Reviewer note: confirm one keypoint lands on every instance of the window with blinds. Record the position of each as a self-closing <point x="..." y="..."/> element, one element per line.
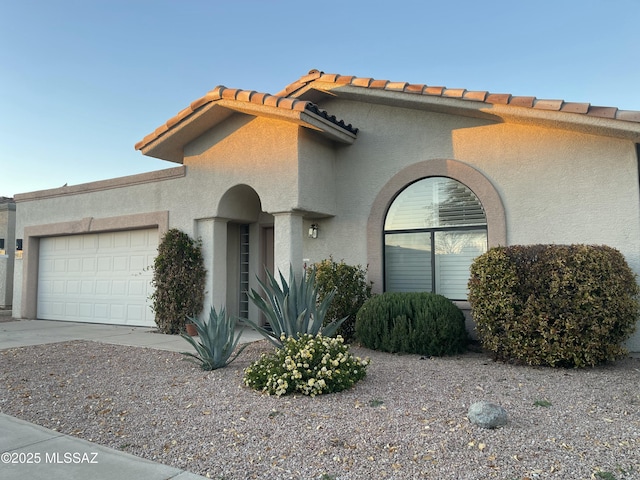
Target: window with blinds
<point x="433" y="231"/>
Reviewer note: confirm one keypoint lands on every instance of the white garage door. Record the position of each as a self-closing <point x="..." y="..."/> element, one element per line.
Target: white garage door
<point x="99" y="277"/>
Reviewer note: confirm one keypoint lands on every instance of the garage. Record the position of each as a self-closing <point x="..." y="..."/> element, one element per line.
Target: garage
<point x="97" y="277"/>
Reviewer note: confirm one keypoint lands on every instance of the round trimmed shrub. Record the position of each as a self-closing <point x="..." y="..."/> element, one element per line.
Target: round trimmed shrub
<point x="554" y="305"/>
<point x="311" y="365"/>
<point x="414" y="322"/>
<point x="178" y="280"/>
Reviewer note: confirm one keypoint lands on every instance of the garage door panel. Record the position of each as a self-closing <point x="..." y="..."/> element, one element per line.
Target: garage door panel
<point x="74" y="265"/>
<point x="105" y="264"/>
<point x="58" y="287"/>
<point x="117" y="311"/>
<point x="86" y="310"/>
<point x="87" y="287"/>
<point x="120" y="264"/>
<point x="102" y="278"/>
<point x="73" y="287"/>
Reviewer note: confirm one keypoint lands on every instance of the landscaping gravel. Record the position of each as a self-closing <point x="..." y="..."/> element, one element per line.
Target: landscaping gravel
<point x="406" y="420"/>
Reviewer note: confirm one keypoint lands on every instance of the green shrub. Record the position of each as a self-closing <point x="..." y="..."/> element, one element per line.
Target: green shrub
<point x="311" y="365"/>
<point x="351" y="291"/>
<point x="216" y="342"/>
<point x="291" y="308"/>
<point x="178" y="280"/>
<point x="418" y="322"/>
<point x="555" y="305"/>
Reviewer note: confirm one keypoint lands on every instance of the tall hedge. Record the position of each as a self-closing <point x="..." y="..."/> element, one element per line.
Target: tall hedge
<point x="178" y="280"/>
<point x="413" y="322"/>
<point x="555" y="305"/>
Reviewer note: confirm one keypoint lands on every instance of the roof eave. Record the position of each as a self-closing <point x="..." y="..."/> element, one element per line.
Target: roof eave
<point x="168" y="142"/>
<point x="536" y="115"/>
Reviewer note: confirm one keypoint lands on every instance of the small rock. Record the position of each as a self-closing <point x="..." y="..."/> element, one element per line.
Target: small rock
<point x="487" y="415"/>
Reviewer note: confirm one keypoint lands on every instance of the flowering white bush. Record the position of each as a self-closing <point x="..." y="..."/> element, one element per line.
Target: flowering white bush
<point x="311" y="365"/>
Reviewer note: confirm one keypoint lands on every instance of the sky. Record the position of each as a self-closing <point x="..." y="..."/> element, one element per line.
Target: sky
<point x="81" y="81"/>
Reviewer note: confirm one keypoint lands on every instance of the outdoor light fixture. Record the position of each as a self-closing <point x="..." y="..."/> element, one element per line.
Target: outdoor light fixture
<point x="313" y="230"/>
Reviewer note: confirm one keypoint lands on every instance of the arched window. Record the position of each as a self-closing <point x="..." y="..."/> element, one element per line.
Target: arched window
<point x="433" y="230"/>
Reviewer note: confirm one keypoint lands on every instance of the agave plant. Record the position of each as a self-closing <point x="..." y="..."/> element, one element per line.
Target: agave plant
<point x="292" y="308"/>
<point x="217" y="340"/>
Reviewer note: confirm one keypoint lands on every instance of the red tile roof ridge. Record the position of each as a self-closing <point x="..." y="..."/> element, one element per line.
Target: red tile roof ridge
<point x="463" y="94"/>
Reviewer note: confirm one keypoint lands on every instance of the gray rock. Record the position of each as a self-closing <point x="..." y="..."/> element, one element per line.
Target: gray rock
<point x="487" y="415"/>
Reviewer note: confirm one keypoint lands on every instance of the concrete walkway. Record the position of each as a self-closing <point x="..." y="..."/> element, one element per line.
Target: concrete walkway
<point x="33" y="452"/>
<point x="22" y="333"/>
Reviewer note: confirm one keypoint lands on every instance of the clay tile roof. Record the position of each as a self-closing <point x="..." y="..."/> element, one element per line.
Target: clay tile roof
<point x="575" y="107"/>
<point x="399" y="86"/>
<point x="413" y="88"/>
<point x="361" y="82"/>
<point x="287" y="101"/>
<point x="478" y="96"/>
<point x="434" y="90"/>
<point x="547" y="104"/>
<point x="453" y="92"/>
<point x="498" y="98"/>
<point x="522" y="101"/>
<point x="460" y="93"/>
<point x="628" y="115"/>
<point x="605" y="112"/>
<point x="249" y="97"/>
<point x="377" y="83"/>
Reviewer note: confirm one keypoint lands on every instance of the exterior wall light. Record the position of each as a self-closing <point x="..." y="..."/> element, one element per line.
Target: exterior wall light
<point x="313" y="230"/>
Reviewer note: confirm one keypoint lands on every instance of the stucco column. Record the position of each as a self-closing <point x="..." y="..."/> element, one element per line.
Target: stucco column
<point x="213" y="233"/>
<point x="219" y="264"/>
<point x="287" y="242"/>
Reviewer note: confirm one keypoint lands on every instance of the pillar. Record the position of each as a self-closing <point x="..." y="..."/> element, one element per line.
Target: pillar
<point x="288" y="229"/>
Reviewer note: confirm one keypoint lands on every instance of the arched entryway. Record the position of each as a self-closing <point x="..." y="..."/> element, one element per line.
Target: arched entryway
<point x="237" y="245"/>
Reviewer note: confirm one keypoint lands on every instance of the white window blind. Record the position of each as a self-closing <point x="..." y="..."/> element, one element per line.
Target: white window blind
<point x="434" y="211"/>
<point x="435" y="202"/>
<point x="408" y="262"/>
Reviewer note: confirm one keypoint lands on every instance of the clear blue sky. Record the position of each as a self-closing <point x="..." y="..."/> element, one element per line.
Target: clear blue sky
<point x="82" y="81"/>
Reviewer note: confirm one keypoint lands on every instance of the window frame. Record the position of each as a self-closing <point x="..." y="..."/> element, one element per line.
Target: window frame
<point x="429" y="230"/>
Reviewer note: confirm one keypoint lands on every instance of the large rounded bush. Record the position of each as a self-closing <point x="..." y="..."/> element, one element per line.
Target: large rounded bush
<point x="417" y="322"/>
<point x="555" y="305"/>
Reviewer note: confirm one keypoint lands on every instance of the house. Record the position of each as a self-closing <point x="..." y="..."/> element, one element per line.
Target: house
<point x="413" y="181"/>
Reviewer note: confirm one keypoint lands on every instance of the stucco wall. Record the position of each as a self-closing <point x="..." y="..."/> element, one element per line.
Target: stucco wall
<point x="258" y="152"/>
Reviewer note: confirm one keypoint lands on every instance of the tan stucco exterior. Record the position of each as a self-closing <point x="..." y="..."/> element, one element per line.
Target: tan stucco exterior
<point x="541" y="176"/>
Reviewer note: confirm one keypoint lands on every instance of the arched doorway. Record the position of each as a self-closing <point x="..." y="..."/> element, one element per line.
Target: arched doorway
<point x="235" y="246"/>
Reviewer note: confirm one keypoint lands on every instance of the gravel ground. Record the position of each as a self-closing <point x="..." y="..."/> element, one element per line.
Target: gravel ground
<point x="405" y="420"/>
